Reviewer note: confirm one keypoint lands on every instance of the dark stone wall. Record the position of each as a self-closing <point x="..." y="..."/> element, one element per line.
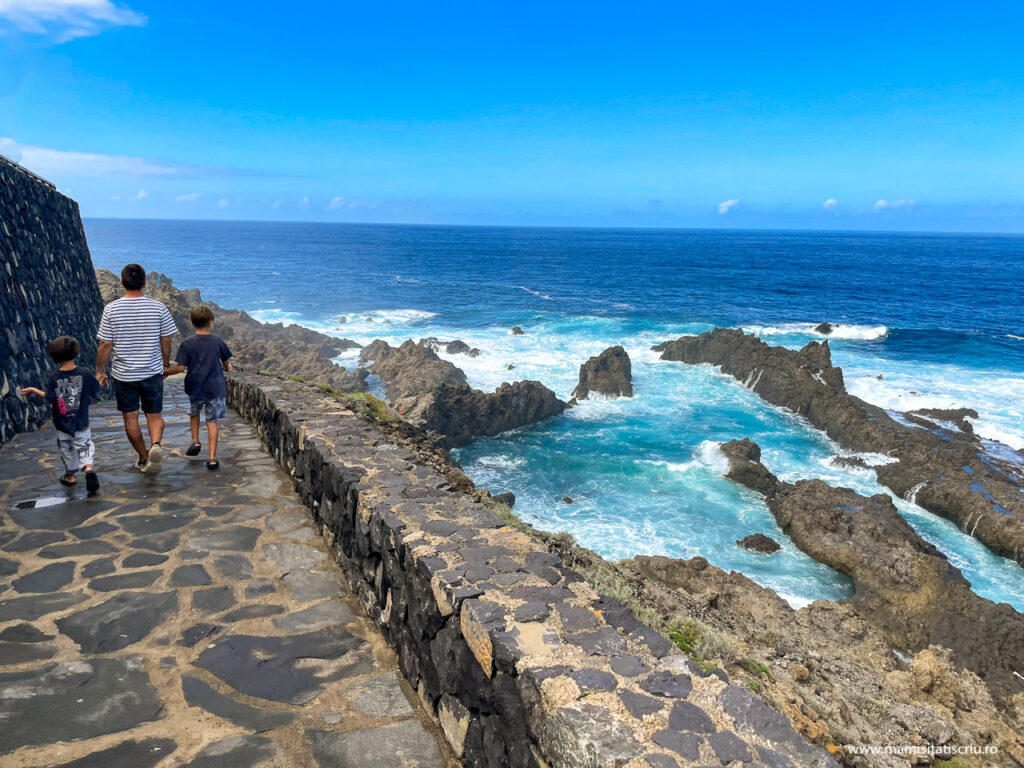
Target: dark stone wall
<point x="522" y="663"/>
<point x="47" y="289"/>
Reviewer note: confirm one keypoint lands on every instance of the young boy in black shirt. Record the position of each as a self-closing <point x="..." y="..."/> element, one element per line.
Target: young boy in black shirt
<point x="205" y="358"/>
<point x="69" y="391"/>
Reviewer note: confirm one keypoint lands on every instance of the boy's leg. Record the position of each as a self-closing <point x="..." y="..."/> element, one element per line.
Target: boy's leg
<point x="215" y="411"/>
<point x="85" y="448"/>
<point x="211" y="427"/>
<point x="86" y="453"/>
<point x="193" y="426"/>
<point x="68" y="455"/>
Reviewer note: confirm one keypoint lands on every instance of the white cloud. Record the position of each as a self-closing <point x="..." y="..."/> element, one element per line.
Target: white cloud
<point x="304" y="202"/>
<point x="67" y="19"/>
<point x="223" y="203"/>
<point x="43" y="160"/>
<point x="277" y="204"/>
<point x="191" y="197"/>
<point x="831" y="204"/>
<point x="140" y="195"/>
<point x="726" y="205"/>
<point x="336" y="204"/>
<point x="882" y="205"/>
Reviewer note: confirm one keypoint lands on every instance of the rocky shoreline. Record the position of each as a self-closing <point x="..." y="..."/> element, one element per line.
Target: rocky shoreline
<point x="914" y="657"/>
<point x="940" y="466"/>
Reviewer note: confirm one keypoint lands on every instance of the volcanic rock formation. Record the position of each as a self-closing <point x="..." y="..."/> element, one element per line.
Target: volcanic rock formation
<point x="608" y="374"/>
<point x="902" y="582"/>
<point x="433" y="394"/>
<point x="942" y="468"/>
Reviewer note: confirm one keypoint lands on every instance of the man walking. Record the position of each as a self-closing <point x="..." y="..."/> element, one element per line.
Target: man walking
<point x="135" y="335"/>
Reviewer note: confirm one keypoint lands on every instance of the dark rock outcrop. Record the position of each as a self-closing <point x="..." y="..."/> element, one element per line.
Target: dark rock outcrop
<point x="516" y="331"/>
<point x="823" y="328"/>
<point x="434" y="395"/>
<point x="608" y="374"/>
<point x="292" y="350"/>
<point x="456" y="347"/>
<point x="948" y="472"/>
<point x="758" y="542"/>
<point x="902" y="582"/>
<point x="46" y="290"/>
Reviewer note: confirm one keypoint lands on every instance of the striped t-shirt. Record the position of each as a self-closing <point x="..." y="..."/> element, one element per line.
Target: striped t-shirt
<point x="135" y="326"/>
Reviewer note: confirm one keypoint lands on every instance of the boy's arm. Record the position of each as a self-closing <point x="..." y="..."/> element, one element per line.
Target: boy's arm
<point x="170" y="370"/>
<point x="32" y="391"/>
<point x="225" y="357"/>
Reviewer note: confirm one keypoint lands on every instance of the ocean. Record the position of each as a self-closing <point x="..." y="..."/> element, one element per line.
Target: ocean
<point x="925" y="320"/>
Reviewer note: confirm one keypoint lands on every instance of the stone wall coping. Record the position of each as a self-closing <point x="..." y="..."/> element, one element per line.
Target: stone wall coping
<point x="522" y="662"/>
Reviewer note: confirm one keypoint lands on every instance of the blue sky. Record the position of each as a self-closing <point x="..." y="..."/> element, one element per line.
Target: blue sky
<point x="791" y="115"/>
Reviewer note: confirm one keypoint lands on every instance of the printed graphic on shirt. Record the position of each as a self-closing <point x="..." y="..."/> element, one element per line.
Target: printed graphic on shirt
<point x="69" y="395"/>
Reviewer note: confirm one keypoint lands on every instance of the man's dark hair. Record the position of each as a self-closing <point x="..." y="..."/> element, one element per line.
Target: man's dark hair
<point x="201" y="316"/>
<point x="133" y="277"/>
<point x="64" y="349"/>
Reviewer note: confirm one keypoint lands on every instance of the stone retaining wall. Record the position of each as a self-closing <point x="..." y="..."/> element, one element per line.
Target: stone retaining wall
<point x="47" y="289"/>
<point x="521" y="661"/>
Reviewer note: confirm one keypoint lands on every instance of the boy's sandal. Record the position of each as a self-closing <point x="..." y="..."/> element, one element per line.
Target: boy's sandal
<point x="194" y="449"/>
<point x="69" y="483"/>
<point x="212" y="464"/>
<point x="92" y="483"/>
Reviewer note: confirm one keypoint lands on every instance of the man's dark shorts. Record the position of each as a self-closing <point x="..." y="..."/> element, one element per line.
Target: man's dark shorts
<point x="150" y="392"/>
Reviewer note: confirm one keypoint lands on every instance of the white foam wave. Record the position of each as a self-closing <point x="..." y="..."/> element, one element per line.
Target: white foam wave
<point x="500" y="462"/>
<point x="844" y="331"/>
<point x="538" y="294"/>
<point x="1014" y="336"/>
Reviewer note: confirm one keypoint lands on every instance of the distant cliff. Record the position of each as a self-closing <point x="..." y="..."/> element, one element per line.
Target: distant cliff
<point x="47" y="289"/>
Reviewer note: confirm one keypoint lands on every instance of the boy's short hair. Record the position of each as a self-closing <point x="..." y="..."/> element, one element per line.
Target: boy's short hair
<point x="201" y="316"/>
<point x="133" y="277"/>
<point x="64" y="349"/>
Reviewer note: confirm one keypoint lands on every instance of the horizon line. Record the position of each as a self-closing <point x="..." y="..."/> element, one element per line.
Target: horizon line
<point x="608" y="227"/>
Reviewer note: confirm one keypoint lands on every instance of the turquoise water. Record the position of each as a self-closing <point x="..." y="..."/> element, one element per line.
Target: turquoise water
<point x="645" y="473"/>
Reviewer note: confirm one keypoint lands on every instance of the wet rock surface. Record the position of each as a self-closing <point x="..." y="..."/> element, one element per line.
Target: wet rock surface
<point x="131" y="658"/>
<point x="608" y="374"/>
<point x="941" y="465"/>
<point x="532" y="671"/>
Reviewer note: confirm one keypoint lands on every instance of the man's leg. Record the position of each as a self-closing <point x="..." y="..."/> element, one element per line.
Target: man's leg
<point x="155" y="427"/>
<point x="134" y="432"/>
<point x="152" y="395"/>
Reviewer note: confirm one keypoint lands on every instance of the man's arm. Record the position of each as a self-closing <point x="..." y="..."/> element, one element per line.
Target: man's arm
<point x="165" y="350"/>
<point x="102" y="356"/>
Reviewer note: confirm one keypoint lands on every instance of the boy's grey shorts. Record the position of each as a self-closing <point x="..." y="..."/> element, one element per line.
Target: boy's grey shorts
<point x="77" y="450"/>
<point x="215" y="409"/>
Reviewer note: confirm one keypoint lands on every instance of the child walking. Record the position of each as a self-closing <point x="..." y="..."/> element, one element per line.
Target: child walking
<point x="205" y="358"/>
<point x="69" y="391"/>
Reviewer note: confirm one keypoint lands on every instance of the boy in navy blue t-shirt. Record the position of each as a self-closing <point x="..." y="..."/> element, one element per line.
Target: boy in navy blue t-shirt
<point x="205" y="358"/>
<point x="69" y="391"/>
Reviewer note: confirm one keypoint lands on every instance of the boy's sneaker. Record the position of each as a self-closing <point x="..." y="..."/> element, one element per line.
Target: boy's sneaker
<point x="156" y="455"/>
<point x="92" y="482"/>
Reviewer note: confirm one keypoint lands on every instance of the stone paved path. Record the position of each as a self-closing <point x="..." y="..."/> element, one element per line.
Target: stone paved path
<point x="187" y="619"/>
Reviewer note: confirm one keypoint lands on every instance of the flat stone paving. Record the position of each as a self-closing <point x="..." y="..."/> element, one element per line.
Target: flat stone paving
<point x="190" y="618"/>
